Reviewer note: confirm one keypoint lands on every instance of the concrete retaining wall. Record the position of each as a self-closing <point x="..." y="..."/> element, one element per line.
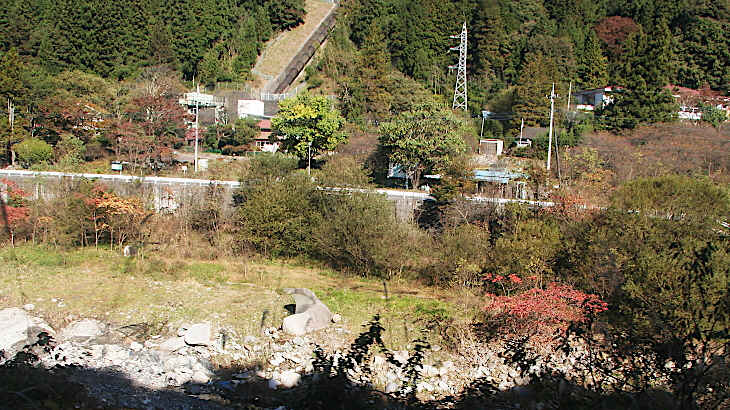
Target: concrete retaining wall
<point x="296" y="65"/>
<point x="169" y="194"/>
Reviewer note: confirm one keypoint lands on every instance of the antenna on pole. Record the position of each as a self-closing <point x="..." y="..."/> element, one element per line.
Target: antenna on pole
<point x="460" y="98"/>
<point x="550" y="133"/>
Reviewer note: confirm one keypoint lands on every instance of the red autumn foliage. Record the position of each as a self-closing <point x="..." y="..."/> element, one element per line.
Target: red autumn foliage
<point x="540" y="312"/>
<point x="74" y="116"/>
<point x="614" y="30"/>
<point x="14" y="204"/>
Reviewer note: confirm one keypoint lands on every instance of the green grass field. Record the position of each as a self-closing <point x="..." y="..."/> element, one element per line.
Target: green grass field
<point x="161" y="292"/>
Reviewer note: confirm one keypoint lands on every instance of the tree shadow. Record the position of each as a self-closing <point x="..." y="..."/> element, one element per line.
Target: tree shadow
<point x="331" y="385"/>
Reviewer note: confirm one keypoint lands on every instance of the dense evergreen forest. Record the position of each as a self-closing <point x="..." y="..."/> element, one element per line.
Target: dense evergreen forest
<point x="518" y="48"/>
<point x="210" y="39"/>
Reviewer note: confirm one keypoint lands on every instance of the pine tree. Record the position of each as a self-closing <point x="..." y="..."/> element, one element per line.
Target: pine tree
<point x="535" y="83"/>
<point x="489" y="40"/>
<point x="372" y="70"/>
<point x="593" y="66"/>
<point x="644" y="74"/>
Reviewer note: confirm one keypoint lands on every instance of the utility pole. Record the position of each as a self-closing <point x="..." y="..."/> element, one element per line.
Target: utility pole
<point x="522" y="127"/>
<point x="460" y="88"/>
<point x="567" y="114"/>
<point x="11" y="122"/>
<point x="197" y="109"/>
<point x="550" y="133"/>
<point x="570" y="90"/>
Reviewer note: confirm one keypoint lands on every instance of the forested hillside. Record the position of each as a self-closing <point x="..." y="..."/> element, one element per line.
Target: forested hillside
<point x="518" y="48"/>
<point x="209" y="39"/>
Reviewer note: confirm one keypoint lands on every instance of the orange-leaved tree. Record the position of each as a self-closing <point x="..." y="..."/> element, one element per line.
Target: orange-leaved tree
<point x="15" y="208"/>
<point x="121" y="217"/>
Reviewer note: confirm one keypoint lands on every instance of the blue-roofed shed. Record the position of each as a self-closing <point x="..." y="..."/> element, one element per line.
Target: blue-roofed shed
<point x="496" y="176"/>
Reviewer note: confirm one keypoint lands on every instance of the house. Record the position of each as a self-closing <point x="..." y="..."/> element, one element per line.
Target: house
<point x="590" y="100"/>
<point x="254" y="108"/>
<point x="263" y="140"/>
<point x="690" y="101"/>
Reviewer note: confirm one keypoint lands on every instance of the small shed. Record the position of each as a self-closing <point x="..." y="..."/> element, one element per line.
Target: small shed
<point x="500" y="182"/>
<point x="491" y="147"/>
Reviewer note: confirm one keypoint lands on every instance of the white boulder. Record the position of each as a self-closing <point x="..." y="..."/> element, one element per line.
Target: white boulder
<point x="198" y="335"/>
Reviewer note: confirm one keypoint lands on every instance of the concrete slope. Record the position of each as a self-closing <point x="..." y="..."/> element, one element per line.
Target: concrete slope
<point x="282" y="54"/>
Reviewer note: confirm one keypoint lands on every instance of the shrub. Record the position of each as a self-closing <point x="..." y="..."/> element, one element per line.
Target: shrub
<point x="460" y="256"/>
<point x="269" y="167"/>
<point x="713" y="115"/>
<point x="538" y="312"/>
<point x="70" y="151"/>
<point x="208" y="217"/>
<point x="277" y="218"/>
<point x="675" y="197"/>
<point x="33" y="151"/>
<point x="343" y="170"/>
<point x="358" y="232"/>
<point x="15" y="212"/>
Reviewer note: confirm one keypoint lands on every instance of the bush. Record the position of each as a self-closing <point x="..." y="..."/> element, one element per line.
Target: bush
<point x="33" y="151"/>
<point x="674" y="197"/>
<point x="342" y="170"/>
<point x="537" y="312"/>
<point x="277" y="218"/>
<point x="70" y="152"/>
<point x="358" y="232"/>
<point x="460" y="256"/>
<point x="267" y="167"/>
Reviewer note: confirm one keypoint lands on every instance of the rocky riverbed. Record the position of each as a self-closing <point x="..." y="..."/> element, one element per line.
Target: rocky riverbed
<point x="198" y="366"/>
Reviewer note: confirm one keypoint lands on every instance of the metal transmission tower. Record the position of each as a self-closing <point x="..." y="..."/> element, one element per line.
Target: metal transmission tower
<point x="460" y="88"/>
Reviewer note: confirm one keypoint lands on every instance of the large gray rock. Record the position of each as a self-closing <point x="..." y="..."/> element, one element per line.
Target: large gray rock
<point x="198" y="335"/>
<point x="18" y="329"/>
<point x="83" y="330"/>
<point x="296" y="324"/>
<point x="310" y="313"/>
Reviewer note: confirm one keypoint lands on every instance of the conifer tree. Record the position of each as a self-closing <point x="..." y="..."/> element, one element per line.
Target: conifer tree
<point x="646" y="71"/>
<point x="489" y="40"/>
<point x="535" y="83"/>
<point x="373" y="66"/>
<point x="593" y="66"/>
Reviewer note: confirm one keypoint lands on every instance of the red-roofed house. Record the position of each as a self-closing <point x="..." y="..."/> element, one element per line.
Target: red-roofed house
<point x="263" y="141"/>
<point x="690" y="101"/>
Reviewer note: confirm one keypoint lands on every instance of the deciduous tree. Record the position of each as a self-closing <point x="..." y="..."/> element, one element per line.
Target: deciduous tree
<point x="308" y="122"/>
<point x="423" y="139"/>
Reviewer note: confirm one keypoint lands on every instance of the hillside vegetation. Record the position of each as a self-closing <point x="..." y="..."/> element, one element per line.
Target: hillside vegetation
<point x="626" y="268"/>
